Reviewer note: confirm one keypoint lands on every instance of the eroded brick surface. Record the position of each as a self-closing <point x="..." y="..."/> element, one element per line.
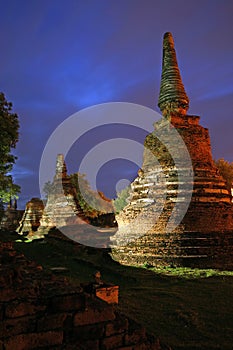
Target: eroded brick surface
<point x="178" y="169"/>
<point x="40" y="310"/>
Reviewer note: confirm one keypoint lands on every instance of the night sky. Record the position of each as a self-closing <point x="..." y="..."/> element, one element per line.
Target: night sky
<point x="58" y="57"/>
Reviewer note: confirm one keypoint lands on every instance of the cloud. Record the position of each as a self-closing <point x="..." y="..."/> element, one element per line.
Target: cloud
<point x="20" y="172"/>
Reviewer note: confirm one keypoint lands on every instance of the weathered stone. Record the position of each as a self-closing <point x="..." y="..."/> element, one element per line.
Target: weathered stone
<point x="165" y="187"/>
<point x="120" y="325"/>
<point x="41" y="312"/>
<point x="22" y="308"/>
<point x="86" y="345"/>
<point x="62" y="207"/>
<point x="6" y="277"/>
<point x="172" y="98"/>
<point x="108" y="293"/>
<point x="68" y="302"/>
<point x="136" y="336"/>
<point x="11" y="327"/>
<point x="113" y="342"/>
<point x="95" y="312"/>
<point x="34" y="340"/>
<point x="88" y="332"/>
<point x="11" y="217"/>
<point x="31" y="217"/>
<point x="51" y="321"/>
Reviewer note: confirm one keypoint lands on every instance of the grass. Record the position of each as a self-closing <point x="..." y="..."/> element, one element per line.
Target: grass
<point x="188" y="309"/>
<point x="190" y="273"/>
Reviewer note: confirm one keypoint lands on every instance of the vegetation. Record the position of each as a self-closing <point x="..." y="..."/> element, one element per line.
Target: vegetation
<point x="48" y="188"/>
<point x="93" y="203"/>
<point x="226" y="170"/>
<point x="8" y="138"/>
<point x="122" y="199"/>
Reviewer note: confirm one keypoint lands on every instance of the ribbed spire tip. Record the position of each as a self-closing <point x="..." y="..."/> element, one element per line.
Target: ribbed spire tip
<point x="172" y="98"/>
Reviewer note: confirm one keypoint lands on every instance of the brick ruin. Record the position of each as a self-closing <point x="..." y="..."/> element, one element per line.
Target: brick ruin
<point x="41" y="310"/>
<point x="63" y="210"/>
<point x="62" y="207"/>
<point x="204" y="238"/>
<point x="31" y="217"/>
<point x="9" y="219"/>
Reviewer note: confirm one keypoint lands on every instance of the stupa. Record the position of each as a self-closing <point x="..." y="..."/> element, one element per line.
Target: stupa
<point x="31" y="217"/>
<point x="178" y="183"/>
<point x="62" y="207"/>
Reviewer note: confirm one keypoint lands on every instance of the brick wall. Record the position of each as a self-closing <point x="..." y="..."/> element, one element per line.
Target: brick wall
<point x="41" y="311"/>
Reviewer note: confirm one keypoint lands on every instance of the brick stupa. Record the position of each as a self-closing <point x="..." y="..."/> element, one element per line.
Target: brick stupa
<point x="31" y="217"/>
<point x="62" y="207"/>
<point x="168" y="185"/>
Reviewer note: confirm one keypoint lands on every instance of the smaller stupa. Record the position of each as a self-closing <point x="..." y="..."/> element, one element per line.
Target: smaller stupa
<point x="31" y="217"/>
<point x="62" y="207"/>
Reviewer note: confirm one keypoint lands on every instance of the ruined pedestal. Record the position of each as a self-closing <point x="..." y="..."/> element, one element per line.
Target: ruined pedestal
<point x="31" y="217"/>
<point x="11" y="217"/>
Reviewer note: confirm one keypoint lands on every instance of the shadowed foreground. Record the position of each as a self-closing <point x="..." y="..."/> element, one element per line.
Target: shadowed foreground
<point x="187" y="309"/>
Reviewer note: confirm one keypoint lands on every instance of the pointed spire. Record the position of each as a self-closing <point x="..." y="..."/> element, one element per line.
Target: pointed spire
<point x="172" y="98"/>
<point x="61" y="171"/>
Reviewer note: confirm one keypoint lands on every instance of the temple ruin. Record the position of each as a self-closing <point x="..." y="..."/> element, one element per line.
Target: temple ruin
<point x="62" y="207"/>
<point x="31" y="217"/>
<point x="10" y="218"/>
<point x="41" y="310"/>
<point x="64" y="211"/>
<point x="204" y="237"/>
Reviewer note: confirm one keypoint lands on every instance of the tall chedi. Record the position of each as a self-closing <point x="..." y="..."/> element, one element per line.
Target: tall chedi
<point x="179" y="211"/>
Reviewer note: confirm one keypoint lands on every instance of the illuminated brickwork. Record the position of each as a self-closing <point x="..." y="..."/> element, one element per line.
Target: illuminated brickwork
<point x="204" y="238"/>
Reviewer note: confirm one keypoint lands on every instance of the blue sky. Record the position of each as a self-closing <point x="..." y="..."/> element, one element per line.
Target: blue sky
<point x="58" y="57"/>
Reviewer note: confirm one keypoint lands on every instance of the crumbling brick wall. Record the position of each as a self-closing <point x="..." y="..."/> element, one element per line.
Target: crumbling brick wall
<point x="41" y="311"/>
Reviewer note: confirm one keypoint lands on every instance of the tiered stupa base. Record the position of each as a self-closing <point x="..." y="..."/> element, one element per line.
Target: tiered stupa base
<point x="204" y="238"/>
<point x="196" y="249"/>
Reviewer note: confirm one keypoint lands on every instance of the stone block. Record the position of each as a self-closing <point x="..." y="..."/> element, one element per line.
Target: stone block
<point x="7" y="294"/>
<point x="6" y="276"/>
<point x="14" y="326"/>
<point x="136" y="334"/>
<point x="118" y="326"/>
<point x="88" y="345"/>
<point x="1" y="312"/>
<point x="108" y="294"/>
<point x="51" y="322"/>
<point x="18" y="309"/>
<point x="70" y="302"/>
<point x="94" y="315"/>
<point x="34" y="340"/>
<point x="113" y="342"/>
<point x="87" y="332"/>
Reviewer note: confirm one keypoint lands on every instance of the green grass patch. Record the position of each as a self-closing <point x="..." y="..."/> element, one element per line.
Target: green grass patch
<point x="189" y="273"/>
